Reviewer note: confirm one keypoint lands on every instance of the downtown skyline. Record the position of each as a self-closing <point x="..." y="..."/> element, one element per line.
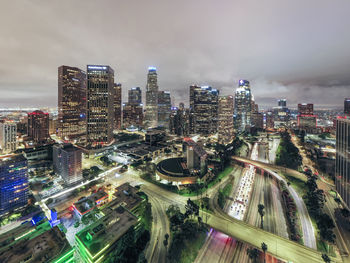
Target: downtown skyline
<point x="284" y="55"/>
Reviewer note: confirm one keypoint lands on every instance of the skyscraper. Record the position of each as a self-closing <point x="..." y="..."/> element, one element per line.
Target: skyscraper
<point x="135" y="95"/>
<point x="305" y="109"/>
<point x="100" y="105"/>
<point x="179" y="120"/>
<point x="67" y="162"/>
<point x="8" y="133"/>
<point x="164" y="108"/>
<point x="133" y="109"/>
<point x="347" y="106"/>
<point x="38" y="126"/>
<point x="13" y="182"/>
<point x="204" y="109"/>
<point x="342" y="167"/>
<point x="151" y="115"/>
<point x="117" y="106"/>
<point x="243" y="98"/>
<point x="71" y="103"/>
<point x="282" y="103"/>
<point x="225" y="116"/>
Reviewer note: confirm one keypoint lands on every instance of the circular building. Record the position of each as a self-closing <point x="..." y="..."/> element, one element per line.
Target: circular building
<point x="175" y="171"/>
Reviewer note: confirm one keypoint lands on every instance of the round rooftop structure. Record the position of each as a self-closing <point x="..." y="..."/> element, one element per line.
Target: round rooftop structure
<point x="175" y="170"/>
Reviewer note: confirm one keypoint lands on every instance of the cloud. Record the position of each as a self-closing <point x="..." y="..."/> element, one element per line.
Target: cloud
<point x="296" y="49"/>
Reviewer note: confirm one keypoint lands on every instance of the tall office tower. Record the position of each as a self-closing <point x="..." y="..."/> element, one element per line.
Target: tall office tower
<point x="13" y="182"/>
<point x="282" y="103"/>
<point x="8" y="132"/>
<point x="305" y="109"/>
<point x="254" y="106"/>
<point x="347" y="106"/>
<point x="100" y="105"/>
<point x="135" y="96"/>
<point x="71" y="103"/>
<point x="179" y="120"/>
<point x="117" y="106"/>
<point x="38" y="126"/>
<point x="243" y="105"/>
<point x="133" y="109"/>
<point x="164" y="108"/>
<point x="225" y="116"/>
<point x="151" y="115"/>
<point x="269" y="120"/>
<point x="132" y="115"/>
<point x="67" y="162"/>
<point x="306" y="118"/>
<point x="342" y="167"/>
<point x="281" y="114"/>
<point x="204" y="103"/>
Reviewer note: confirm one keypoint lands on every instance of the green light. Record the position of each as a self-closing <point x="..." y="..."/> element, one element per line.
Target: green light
<point x="65" y="256"/>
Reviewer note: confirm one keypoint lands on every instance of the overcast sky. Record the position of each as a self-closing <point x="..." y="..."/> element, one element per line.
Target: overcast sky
<point x="295" y="49"/>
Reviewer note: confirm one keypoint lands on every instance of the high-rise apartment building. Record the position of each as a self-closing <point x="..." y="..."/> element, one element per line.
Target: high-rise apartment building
<point x="164" y="108"/>
<point x="243" y="98"/>
<point x="100" y="105"/>
<point x="117" y="106"/>
<point x="204" y="103"/>
<point x="67" y="162"/>
<point x="342" y="167"/>
<point x="13" y="182"/>
<point x="347" y="106"/>
<point x="8" y="134"/>
<point x="71" y="104"/>
<point x="38" y="126"/>
<point x="225" y="117"/>
<point x="151" y="114"/>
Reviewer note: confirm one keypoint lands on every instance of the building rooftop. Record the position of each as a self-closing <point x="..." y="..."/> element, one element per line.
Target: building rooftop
<point x="86" y="204"/>
<point x="35" y="243"/>
<point x="11" y="158"/>
<point x="97" y="237"/>
<point x="125" y="195"/>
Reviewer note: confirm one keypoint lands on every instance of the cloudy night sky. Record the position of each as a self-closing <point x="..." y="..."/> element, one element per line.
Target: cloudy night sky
<point x="294" y="49"/>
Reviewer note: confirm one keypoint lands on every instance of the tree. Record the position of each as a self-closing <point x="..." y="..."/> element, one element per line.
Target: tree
<point x="264" y="249"/>
<point x="261" y="213"/>
<point x="325" y="258"/>
<point x="253" y="254"/>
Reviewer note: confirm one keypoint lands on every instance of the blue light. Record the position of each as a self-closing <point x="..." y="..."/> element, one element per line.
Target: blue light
<point x="152" y="69"/>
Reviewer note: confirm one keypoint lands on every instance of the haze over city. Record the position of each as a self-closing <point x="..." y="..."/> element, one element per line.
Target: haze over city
<point x="293" y="48"/>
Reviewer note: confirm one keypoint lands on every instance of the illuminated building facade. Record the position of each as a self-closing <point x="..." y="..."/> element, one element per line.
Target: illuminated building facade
<point x="13" y="182"/>
<point x="243" y="105"/>
<point x="38" y="126"/>
<point x="342" y="167"/>
<point x="67" y="162"/>
<point x="132" y="115"/>
<point x="117" y="106"/>
<point x="71" y="104"/>
<point x="179" y="121"/>
<point x="133" y="109"/>
<point x="306" y="118"/>
<point x="164" y="108"/>
<point x="151" y="114"/>
<point x="196" y="156"/>
<point x="100" y="105"/>
<point x="8" y="133"/>
<point x="204" y="104"/>
<point x="281" y="114"/>
<point x="135" y="95"/>
<point x="225" y="123"/>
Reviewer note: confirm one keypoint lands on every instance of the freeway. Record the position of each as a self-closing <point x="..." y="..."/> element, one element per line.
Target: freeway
<point x="307" y="228"/>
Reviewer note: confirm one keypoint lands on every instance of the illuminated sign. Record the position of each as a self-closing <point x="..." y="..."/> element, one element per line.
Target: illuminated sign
<point x="97" y="67"/>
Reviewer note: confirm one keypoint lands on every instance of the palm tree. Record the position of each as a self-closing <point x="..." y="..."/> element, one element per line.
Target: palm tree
<point x="325" y="258"/>
<point x="264" y="249"/>
<point x="261" y="213"/>
<point x="252" y="253"/>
